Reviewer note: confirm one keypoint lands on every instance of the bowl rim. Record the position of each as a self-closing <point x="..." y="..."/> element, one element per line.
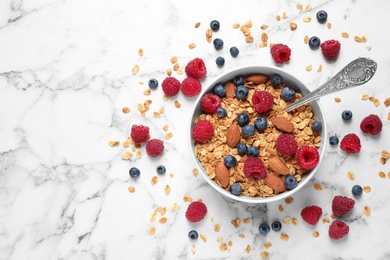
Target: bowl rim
<point x="246" y="70"/>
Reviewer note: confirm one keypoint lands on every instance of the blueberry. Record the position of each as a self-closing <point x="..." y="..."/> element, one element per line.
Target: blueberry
<point x="276" y="226"/>
<point x="264" y="229"/>
<point x="242" y="119"/>
<point x="316" y="126"/>
<point x="238" y="80"/>
<point x="218" y="44"/>
<point x="346" y="115"/>
<point x="252" y="151"/>
<point x="322" y="16"/>
<point x="230" y="161"/>
<point x="220" y="61"/>
<point x="333" y="140"/>
<point x="235" y="189"/>
<point x="248" y="130"/>
<point x="161" y="169"/>
<point x="219" y="90"/>
<point x="241" y="149"/>
<point x="242" y="92"/>
<point x="276" y="80"/>
<point x="314" y="42"/>
<point x="260" y="124"/>
<point x="134" y="172"/>
<point x="193" y="234"/>
<point x="290" y="182"/>
<point x="288" y="93"/>
<point x="153" y="83"/>
<point x="234" y="51"/>
<point x="221" y="112"/>
<point x="357" y="190"/>
<point x="214" y="25"/>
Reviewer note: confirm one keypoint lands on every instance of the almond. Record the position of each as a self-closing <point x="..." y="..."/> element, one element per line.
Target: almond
<point x="222" y="174"/>
<point x="278" y="165"/>
<point x="283" y="124"/>
<point x="230" y="89"/>
<point x="233" y="136"/>
<point x="274" y="182"/>
<point x="257" y="79"/>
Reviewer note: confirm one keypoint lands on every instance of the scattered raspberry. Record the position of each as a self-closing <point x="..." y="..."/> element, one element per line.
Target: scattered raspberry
<point x="139" y="133"/>
<point x="170" y="86"/>
<point x="254" y="168"/>
<point x="286" y="144"/>
<point x="338" y="229"/>
<point x="350" y="143"/>
<point x="154" y="148"/>
<point x="262" y="101"/>
<point x="311" y="214"/>
<point x="210" y="103"/>
<point x="342" y="205"/>
<point x="308" y="157"/>
<point x="371" y="124"/>
<point x="196" y="68"/>
<point x="330" y="49"/>
<point x="280" y="53"/>
<point x="196" y="211"/>
<point x="202" y="131"/>
<point x="191" y="87"/>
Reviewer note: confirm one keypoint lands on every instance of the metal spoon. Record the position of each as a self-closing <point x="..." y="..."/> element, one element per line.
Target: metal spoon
<point x="356" y="73"/>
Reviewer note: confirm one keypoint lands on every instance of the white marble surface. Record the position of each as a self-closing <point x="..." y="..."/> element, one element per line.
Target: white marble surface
<point x="65" y="75"/>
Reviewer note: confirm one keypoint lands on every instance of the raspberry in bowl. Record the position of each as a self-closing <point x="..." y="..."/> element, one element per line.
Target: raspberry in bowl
<point x="254" y="151"/>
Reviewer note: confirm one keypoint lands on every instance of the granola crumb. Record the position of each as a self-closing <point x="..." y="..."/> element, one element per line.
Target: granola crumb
<point x="131" y="189"/>
<point x="316" y="234"/>
<point x="140" y="52"/>
<point x="125" y="110"/>
<point x="197" y="24"/>
<point x="367" y="211"/>
<point x="337" y="100"/>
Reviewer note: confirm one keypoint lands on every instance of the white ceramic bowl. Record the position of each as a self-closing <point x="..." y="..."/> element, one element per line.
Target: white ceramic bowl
<point x="289" y="80"/>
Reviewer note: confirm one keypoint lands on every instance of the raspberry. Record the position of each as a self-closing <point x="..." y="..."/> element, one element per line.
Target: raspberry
<point x="371" y="124"/>
<point x="280" y="53"/>
<point x="196" y="68"/>
<point x="254" y="168"/>
<point x="202" y="131"/>
<point x="342" y="205"/>
<point x="308" y="157"/>
<point x="210" y="103"/>
<point x="330" y="49"/>
<point x="170" y="86"/>
<point x="191" y="87"/>
<point x="139" y="133"/>
<point x="196" y="211"/>
<point x="338" y="230"/>
<point x="311" y="214"/>
<point x="262" y="101"/>
<point x="350" y="143"/>
<point x="286" y="144"/>
<point x="154" y="148"/>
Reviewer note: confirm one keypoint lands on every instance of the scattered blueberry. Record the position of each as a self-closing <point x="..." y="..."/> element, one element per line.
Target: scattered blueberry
<point x="276" y="225"/>
<point x="276" y="80"/>
<point x="161" y="169"/>
<point x="290" y="182"/>
<point x="230" y="161"/>
<point x="333" y="140"/>
<point x="214" y="25"/>
<point x="314" y="42"/>
<point x="134" y="172"/>
<point x="260" y="124"/>
<point x="235" y="189"/>
<point x="322" y="16"/>
<point x="242" y="119"/>
<point x="288" y="93"/>
<point x="252" y="151"/>
<point x="222" y="112"/>
<point x="241" y="149"/>
<point x="220" y="61"/>
<point x="234" y="51"/>
<point x="193" y="234"/>
<point x="218" y="44"/>
<point x="153" y="83"/>
<point x="248" y="130"/>
<point x="357" y="190"/>
<point x="264" y="229"/>
<point x="219" y="90"/>
<point x="316" y="126"/>
<point x="242" y="92"/>
<point x="238" y="80"/>
<point x="346" y="115"/>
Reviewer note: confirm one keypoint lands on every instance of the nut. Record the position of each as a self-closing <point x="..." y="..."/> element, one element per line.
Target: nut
<point x="274" y="182"/>
<point x="222" y="174"/>
<point x="257" y="79"/>
<point x="233" y="136"/>
<point x="230" y="89"/>
<point x="278" y="165"/>
<point x="283" y="124"/>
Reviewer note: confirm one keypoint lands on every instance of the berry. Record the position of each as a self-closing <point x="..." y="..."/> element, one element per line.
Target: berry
<point x="290" y="182"/>
<point x="260" y="124"/>
<point x="314" y="42"/>
<point x="214" y="25"/>
<point x="234" y="51"/>
<point x="342" y="205"/>
<point x="241" y="149"/>
<point x="276" y="226"/>
<point x="311" y="214"/>
<point x="196" y="211"/>
<point x="357" y="190"/>
<point x="346" y="115"/>
<point x="193" y="234"/>
<point x="322" y="16"/>
<point x="262" y="101"/>
<point x="139" y="133"/>
<point x="218" y="44"/>
<point x="371" y="124"/>
<point x="242" y="92"/>
<point x="242" y="119"/>
<point x="222" y="112"/>
<point x="276" y="80"/>
<point x="248" y="130"/>
<point x="220" y="61"/>
<point x="338" y="229"/>
<point x="235" y="189"/>
<point x="264" y="229"/>
<point x="330" y="49"/>
<point x="196" y="68"/>
<point x="153" y="83"/>
<point x="350" y="143"/>
<point x="254" y="168"/>
<point x="191" y="87"/>
<point x="316" y="126"/>
<point x="154" y="148"/>
<point x="280" y="53"/>
<point x="161" y="169"/>
<point x="252" y="151"/>
<point x="230" y="161"/>
<point x="202" y="131"/>
<point x="286" y="144"/>
<point x="210" y="103"/>
<point x="333" y="140"/>
<point x="134" y="172"/>
<point x="238" y="80"/>
<point x="308" y="157"/>
<point x="288" y="94"/>
<point x="170" y="86"/>
<point x="219" y="90"/>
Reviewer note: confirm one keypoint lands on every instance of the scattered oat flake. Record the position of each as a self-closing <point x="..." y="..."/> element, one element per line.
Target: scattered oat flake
<point x="125" y="110"/>
<point x="309" y="67"/>
<point x="247" y="220"/>
<point x="333" y="216"/>
<point x="236" y="222"/>
<point x="135" y="69"/>
<point x="307" y="19"/>
<point x="152" y="231"/>
<point x="351" y="176"/>
<point x="165" y="97"/>
<point x="177" y="104"/>
<point x="139" y="154"/>
<point x="241" y="235"/>
<point x="154" y="180"/>
<point x="193" y="249"/>
<point x="289" y="200"/>
<point x="127" y="155"/>
<point x="287" y="220"/>
<point x="366" y="189"/>
<point x="316" y="234"/>
<point x="280" y="207"/>
<point x="387" y="102"/>
<point x="345" y="35"/>
<point x="329" y="25"/>
<point x="264" y="27"/>
<point x="293" y="26"/>
<point x="169" y="72"/>
<point x="264" y="37"/>
<point x="195" y="172"/>
<point x="319" y="68"/>
<point x="156" y="114"/>
<point x="217" y="228"/>
<point x="140" y="52"/>
<point x="277" y="18"/>
<point x="317" y="186"/>
<point x="360" y="39"/>
<point x="187" y="198"/>
<point x="376" y="102"/>
<point x="236" y="25"/>
<point x="192" y="45"/>
<point x="167" y="189"/>
<point x="223" y="247"/>
<point x="382" y="160"/>
<point x="248" y="249"/>
<point x="382" y="174"/>
<point x="147" y="92"/>
<point x="131" y="189"/>
<point x="388" y="175"/>
<point x="388" y="116"/>
<point x="294" y="221"/>
<point x="230" y="243"/>
<point x="284" y="15"/>
<point x="263" y="44"/>
<point x="306" y="39"/>
<point x="284" y="236"/>
<point x="308" y="7"/>
<point x="264" y="254"/>
<point x="367" y="211"/>
<point x="162" y="220"/>
<point x="174" y="59"/>
<point x="197" y="24"/>
<point x="368" y="47"/>
<point x="113" y="143"/>
<point x="337" y="100"/>
<point x="168" y="135"/>
<point x="299" y="6"/>
<point x="365" y="97"/>
<point x="267" y="244"/>
<point x="175" y="206"/>
<point x="325" y="220"/>
<point x="171" y="175"/>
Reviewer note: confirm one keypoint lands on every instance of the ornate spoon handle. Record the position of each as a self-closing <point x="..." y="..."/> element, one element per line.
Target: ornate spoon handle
<point x="356" y="73"/>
